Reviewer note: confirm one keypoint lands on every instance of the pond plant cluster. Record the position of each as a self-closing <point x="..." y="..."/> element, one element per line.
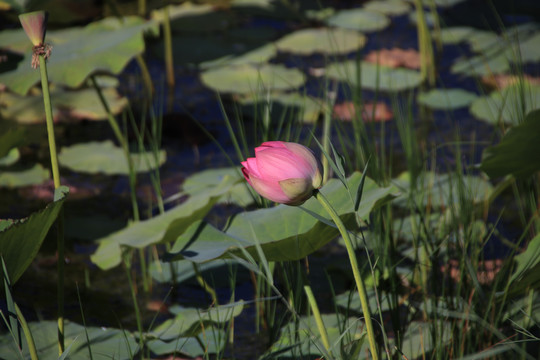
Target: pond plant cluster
<point x="270" y="179"/>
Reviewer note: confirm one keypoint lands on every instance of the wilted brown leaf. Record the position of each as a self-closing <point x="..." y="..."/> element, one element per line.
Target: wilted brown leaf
<point x="395" y="58"/>
<point x="378" y="112"/>
<point x="500" y="81"/>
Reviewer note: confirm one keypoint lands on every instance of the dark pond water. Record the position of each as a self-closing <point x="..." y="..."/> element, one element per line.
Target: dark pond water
<point x="106" y="298"/>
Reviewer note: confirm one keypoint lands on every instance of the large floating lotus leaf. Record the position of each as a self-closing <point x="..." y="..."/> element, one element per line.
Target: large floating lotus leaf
<point x="284" y="106"/>
<point x="388" y="7"/>
<point x="104" y="46"/>
<point x="526" y="274"/>
<point x="359" y="19"/>
<point x="418" y="341"/>
<point x="375" y="76"/>
<point x="482" y="40"/>
<point x="15" y="40"/>
<point x="517" y="153"/>
<point x="284" y="232"/>
<point x="446" y="99"/>
<point x="455" y="35"/>
<point x="443" y="190"/>
<point x="481" y="65"/>
<point x="106" y="158"/>
<point x="302" y="339"/>
<point x="192" y="321"/>
<point x="106" y="343"/>
<point x="211" y="341"/>
<point x="257" y="56"/>
<point x="34" y="176"/>
<point x="249" y="78"/>
<point x="165" y="227"/>
<point x="322" y="40"/>
<point x="21" y="239"/>
<point x="528" y="50"/>
<point x="205" y="180"/>
<point x="67" y="105"/>
<point x="508" y="105"/>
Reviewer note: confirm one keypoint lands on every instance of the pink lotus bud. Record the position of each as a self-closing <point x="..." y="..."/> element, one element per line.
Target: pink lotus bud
<point x="283" y="172"/>
<point x="34" y="25"/>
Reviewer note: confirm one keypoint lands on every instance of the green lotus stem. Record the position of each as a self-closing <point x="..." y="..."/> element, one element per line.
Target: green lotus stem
<point x="27" y="334"/>
<point x="317" y="316"/>
<point x="356" y="272"/>
<point x="60" y="220"/>
<point x="49" y="119"/>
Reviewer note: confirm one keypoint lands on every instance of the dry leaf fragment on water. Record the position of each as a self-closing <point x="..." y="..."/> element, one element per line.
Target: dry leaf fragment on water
<point x="500" y="81"/>
<point x="395" y="58"/>
<point x="378" y="112"/>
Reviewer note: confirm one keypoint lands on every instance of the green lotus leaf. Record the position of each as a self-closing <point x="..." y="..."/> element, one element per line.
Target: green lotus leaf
<point x="283" y="232"/>
<point x="279" y="106"/>
<point x="375" y="76"/>
<point x="203" y="181"/>
<point x="443" y="190"/>
<point x="527" y="270"/>
<point x="211" y="341"/>
<point x="508" y="105"/>
<point x="248" y="78"/>
<point x="36" y="175"/>
<point x="388" y="7"/>
<point x="446" y="99"/>
<point x="301" y="339"/>
<point x="67" y="105"/>
<point x="21" y="239"/>
<point x="103" y="46"/>
<point x="322" y="40"/>
<point x="418" y="340"/>
<point x="106" y="158"/>
<point x="481" y="65"/>
<point x="165" y="227"/>
<point x="483" y="40"/>
<point x="517" y="153"/>
<point x="359" y="19"/>
<point x="455" y="35"/>
<point x="192" y="321"/>
<point x="106" y="343"/>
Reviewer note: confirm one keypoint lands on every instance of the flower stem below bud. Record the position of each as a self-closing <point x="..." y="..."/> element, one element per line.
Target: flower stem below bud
<point x="356" y="273"/>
